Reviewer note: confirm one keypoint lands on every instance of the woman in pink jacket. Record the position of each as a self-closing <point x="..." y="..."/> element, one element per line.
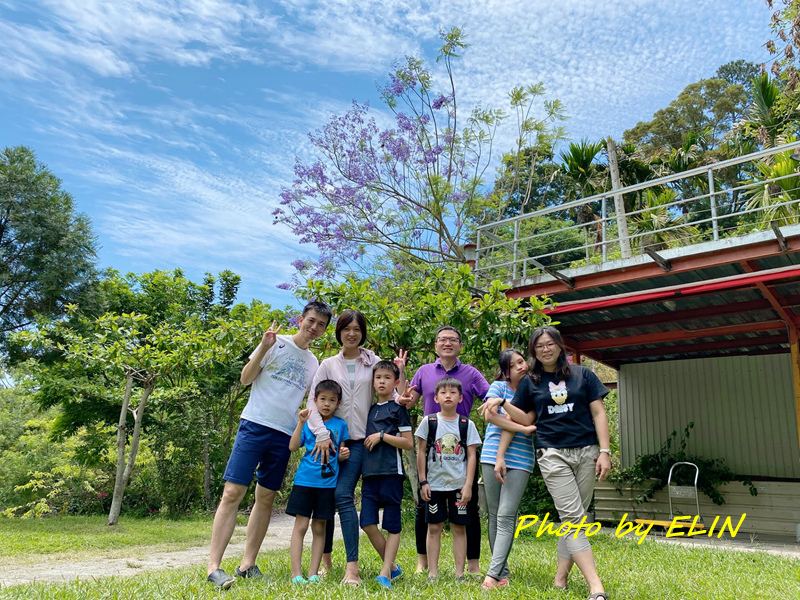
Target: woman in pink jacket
<point x="352" y="369"/>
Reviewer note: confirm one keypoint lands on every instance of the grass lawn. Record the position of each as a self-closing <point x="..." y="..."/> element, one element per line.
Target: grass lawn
<point x="81" y="538"/>
<point x="648" y="571"/>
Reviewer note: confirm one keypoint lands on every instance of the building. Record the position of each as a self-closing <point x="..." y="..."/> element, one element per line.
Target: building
<point x="700" y="318"/>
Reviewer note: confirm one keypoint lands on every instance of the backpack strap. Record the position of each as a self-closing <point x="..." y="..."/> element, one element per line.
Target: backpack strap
<point x="463" y="429"/>
<point x="433" y="422"/>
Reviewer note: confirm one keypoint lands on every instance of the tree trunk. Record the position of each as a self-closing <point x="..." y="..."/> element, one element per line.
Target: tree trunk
<point x="619" y="205"/>
<point x="122" y="429"/>
<point x="121" y="482"/>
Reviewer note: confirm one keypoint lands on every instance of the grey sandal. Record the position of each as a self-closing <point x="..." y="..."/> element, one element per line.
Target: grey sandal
<point x="598" y="595"/>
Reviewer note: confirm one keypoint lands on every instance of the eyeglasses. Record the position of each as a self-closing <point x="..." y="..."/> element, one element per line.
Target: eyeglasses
<point x="452" y="340"/>
<point x="540" y="347"/>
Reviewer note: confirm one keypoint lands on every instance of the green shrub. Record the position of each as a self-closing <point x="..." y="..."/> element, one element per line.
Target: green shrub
<point x="651" y="471"/>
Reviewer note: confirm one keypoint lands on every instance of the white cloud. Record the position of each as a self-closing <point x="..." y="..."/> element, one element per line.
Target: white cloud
<point x="182" y="176"/>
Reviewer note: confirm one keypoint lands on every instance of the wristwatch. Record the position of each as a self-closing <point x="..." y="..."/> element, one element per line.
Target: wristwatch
<point x="502" y="403"/>
<point x="606" y="450"/>
<point x="382" y="432"/>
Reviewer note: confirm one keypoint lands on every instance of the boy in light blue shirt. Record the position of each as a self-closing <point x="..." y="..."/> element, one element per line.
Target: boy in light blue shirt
<point x="314" y="483"/>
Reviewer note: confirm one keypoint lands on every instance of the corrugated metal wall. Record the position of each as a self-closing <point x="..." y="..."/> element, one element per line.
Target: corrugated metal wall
<point x="742" y="408"/>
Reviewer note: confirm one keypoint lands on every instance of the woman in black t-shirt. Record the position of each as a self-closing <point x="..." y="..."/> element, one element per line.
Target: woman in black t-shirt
<point x="566" y="402"/>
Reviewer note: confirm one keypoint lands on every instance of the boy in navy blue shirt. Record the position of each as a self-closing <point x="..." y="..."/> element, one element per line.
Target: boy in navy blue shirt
<point x="388" y="434"/>
<point x="314" y="483"/>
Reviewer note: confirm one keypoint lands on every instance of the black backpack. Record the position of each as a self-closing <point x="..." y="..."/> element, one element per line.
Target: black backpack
<point x="463" y="428"/>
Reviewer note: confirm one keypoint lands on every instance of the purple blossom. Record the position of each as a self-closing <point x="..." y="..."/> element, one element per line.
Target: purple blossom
<point x="285" y="286"/>
<point x="404" y="123"/>
<point x="294" y="321"/>
<point x="438" y="102"/>
<point x="299" y="264"/>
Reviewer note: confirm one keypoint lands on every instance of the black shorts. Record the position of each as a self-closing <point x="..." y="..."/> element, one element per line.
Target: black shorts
<point x="311" y="502"/>
<point x="442" y="507"/>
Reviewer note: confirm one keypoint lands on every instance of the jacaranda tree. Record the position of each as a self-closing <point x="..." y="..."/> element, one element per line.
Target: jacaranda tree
<point x="409" y="189"/>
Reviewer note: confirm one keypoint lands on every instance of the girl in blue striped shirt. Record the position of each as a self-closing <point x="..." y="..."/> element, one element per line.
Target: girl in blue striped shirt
<point x="507" y="463"/>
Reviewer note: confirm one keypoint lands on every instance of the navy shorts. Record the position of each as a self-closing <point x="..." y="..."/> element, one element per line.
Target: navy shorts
<point x="442" y="507"/>
<point x="311" y="502"/>
<point x="382" y="491"/>
<point x="258" y="449"/>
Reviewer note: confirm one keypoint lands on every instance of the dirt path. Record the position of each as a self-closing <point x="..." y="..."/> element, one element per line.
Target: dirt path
<point x="280" y="532"/>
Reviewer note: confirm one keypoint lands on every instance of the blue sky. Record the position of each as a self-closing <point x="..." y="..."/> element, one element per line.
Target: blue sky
<point x="175" y="124"/>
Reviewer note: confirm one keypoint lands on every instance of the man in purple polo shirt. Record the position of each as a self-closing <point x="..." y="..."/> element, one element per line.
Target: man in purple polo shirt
<point x="448" y="346"/>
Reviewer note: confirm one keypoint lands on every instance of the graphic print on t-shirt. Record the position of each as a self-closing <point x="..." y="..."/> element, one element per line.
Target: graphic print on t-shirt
<point x="448" y="447"/>
<point x="292" y="371"/>
<point x="558" y="392"/>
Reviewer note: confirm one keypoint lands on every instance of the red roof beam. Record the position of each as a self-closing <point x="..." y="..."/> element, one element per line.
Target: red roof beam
<point x="677" y="336"/>
<point x="725" y="354"/>
<point x="770" y="294"/>
<point x="744" y="343"/>
<point x="676" y="291"/>
<point x="666" y="317"/>
<point x="789" y="300"/>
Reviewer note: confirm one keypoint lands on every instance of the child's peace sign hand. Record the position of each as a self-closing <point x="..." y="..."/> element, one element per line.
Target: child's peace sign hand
<point x="400" y="359"/>
<point x="407" y="399"/>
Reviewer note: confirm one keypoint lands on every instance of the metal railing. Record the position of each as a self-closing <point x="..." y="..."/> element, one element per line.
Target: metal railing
<point x="724" y="199"/>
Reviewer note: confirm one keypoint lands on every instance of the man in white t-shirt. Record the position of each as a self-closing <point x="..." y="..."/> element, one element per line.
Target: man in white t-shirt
<point x="281" y="369"/>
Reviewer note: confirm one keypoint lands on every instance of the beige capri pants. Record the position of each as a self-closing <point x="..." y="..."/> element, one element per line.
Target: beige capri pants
<point x="569" y="474"/>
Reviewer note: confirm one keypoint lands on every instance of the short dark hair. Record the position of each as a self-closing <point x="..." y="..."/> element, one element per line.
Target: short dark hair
<point x="318" y="307"/>
<point x="448" y="328"/>
<point x="328" y="385"/>
<point x="387" y="365"/>
<point x="448" y="382"/>
<point x="348" y="317"/>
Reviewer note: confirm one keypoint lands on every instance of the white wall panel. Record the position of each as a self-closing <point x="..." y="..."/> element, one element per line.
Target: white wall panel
<point x="742" y="408"/>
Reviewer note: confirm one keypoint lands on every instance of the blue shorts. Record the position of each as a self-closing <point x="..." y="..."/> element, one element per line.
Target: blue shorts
<point x="258" y="449"/>
<point x="382" y="491"/>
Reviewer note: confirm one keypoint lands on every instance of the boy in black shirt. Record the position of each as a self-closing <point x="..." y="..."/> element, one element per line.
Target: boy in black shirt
<point x="388" y="434"/>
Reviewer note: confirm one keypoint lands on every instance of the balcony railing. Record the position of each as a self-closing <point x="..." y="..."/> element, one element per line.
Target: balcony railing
<point x="724" y="199"/>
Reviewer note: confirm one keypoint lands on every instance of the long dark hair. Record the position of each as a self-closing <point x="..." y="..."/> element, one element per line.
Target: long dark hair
<point x="504" y="363"/>
<point x="537" y="368"/>
<point x="347" y="317"/>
